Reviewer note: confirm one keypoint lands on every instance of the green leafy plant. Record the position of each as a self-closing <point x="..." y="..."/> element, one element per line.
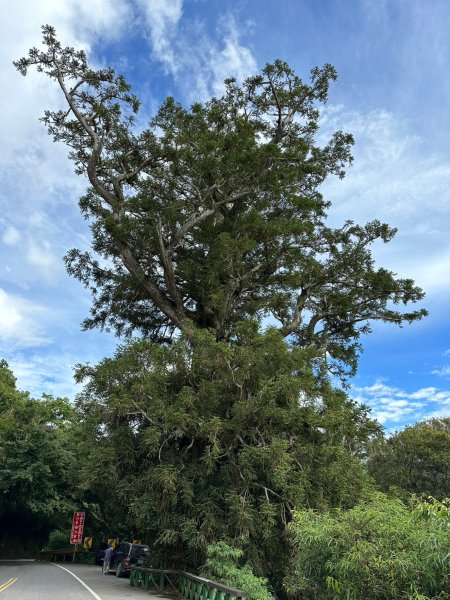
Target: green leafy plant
<point x="223" y="564"/>
<point x="58" y="539"/>
<point x="379" y="550"/>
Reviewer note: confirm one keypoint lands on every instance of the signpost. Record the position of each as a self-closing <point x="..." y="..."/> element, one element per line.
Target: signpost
<point x="76" y="535"/>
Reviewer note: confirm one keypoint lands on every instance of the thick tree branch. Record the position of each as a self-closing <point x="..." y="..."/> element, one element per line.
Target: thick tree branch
<point x="197" y="218"/>
<point x="169" y="273"/>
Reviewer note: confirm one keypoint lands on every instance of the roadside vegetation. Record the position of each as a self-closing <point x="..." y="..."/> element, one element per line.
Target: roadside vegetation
<point x="381" y="548"/>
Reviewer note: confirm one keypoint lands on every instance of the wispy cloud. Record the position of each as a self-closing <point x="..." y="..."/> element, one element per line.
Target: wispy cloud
<point x="41" y="256"/>
<point x="393" y="179"/>
<point x="163" y="17"/>
<point x="442" y="372"/>
<point x="20" y="322"/>
<point x="11" y="236"/>
<point x="398" y="407"/>
<point x="231" y="58"/>
<point x="199" y="60"/>
<point x="46" y="373"/>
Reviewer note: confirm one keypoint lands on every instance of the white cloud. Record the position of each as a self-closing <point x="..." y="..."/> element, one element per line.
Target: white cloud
<point x="396" y="181"/>
<point x="233" y="59"/>
<point x="41" y="256"/>
<point x="11" y="236"/>
<point x="20" y="322"/>
<point x="442" y="413"/>
<point x="442" y="372"/>
<point x="396" y="406"/>
<point x="163" y="17"/>
<point x="198" y="62"/>
<point x="40" y="373"/>
<point x="423" y="393"/>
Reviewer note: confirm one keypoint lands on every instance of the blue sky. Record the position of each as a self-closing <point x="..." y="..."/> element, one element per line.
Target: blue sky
<point x="393" y="94"/>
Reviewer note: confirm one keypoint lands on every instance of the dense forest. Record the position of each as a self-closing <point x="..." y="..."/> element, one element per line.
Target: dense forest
<point x="220" y="432"/>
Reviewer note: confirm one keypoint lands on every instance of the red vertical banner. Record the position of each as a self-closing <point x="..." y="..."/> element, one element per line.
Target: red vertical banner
<point x="76" y="536"/>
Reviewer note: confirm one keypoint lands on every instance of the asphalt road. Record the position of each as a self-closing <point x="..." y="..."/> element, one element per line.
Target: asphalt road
<point x="32" y="580"/>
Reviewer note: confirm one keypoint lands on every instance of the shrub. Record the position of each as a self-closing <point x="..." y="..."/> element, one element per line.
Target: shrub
<point x="222" y="565"/>
<point x="380" y="549"/>
<point x="58" y="539"/>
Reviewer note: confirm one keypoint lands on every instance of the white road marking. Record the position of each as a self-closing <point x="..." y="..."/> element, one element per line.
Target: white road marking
<point x="96" y="596"/>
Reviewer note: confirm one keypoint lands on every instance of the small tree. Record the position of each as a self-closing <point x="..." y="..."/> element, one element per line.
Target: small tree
<point x="223" y="565"/>
<point x="416" y="459"/>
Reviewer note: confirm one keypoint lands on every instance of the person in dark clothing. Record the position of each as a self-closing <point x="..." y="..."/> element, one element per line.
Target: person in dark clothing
<point x="107" y="560"/>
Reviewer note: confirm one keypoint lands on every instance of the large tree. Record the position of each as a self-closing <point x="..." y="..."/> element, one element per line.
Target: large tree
<point x="213" y="213"/>
<point x="207" y="227"/>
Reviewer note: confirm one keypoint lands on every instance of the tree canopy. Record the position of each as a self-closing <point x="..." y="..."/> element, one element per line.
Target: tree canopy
<point x="416" y="459"/>
<point x="213" y="214"/>
<point x="210" y="440"/>
<point x="35" y="465"/>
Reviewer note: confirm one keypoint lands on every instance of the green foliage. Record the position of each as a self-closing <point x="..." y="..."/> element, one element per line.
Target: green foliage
<point x="213" y="214"/>
<point x="431" y="508"/>
<point x="380" y="549"/>
<point x="222" y="565"/>
<point x="204" y="439"/>
<point x="58" y="539"/>
<point x="35" y="464"/>
<point x="416" y="459"/>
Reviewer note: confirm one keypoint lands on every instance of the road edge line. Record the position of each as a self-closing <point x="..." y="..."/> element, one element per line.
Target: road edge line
<point x="96" y="596"/>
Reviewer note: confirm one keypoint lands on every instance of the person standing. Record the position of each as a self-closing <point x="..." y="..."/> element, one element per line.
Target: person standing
<point x="107" y="559"/>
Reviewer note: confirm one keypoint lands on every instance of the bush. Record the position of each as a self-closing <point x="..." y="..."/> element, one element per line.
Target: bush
<point x="222" y="565"/>
<point x="58" y="539"/>
<point x="380" y="549"/>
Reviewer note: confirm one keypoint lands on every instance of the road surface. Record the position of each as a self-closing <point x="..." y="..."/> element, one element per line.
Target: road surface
<point x="33" y="580"/>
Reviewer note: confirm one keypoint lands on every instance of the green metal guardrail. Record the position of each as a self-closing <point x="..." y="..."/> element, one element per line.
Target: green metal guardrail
<point x="63" y="554"/>
<point x="188" y="585"/>
<point x="142" y="577"/>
